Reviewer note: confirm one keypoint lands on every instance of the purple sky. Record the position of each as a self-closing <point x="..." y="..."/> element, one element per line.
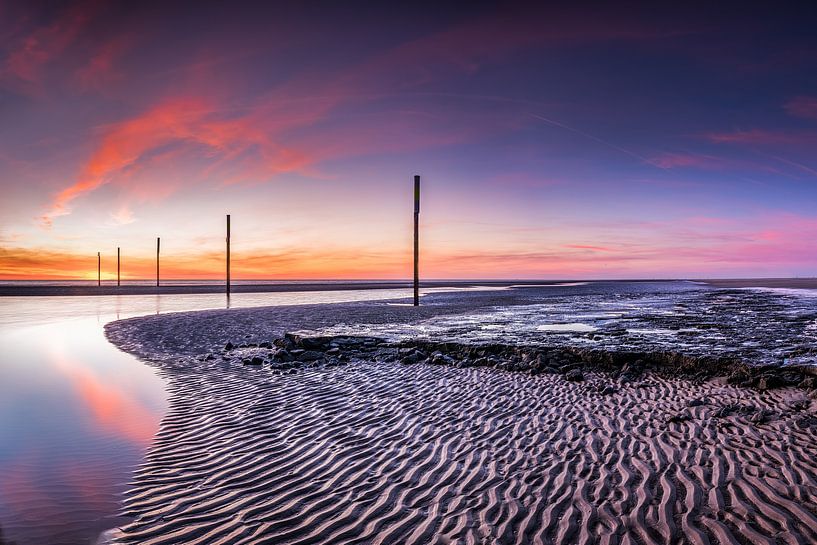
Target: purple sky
<point x="553" y="142"/>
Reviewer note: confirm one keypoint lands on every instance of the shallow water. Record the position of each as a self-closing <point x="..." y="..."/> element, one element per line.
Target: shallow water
<point x="758" y="326"/>
<point x="76" y="414"/>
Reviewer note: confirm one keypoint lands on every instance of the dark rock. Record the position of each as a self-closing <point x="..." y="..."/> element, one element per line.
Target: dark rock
<point x="229" y="346"/>
<point x="608" y="390"/>
<point x="735" y="408"/>
<point x="791" y="378"/>
<point x="282" y="354"/>
<point x="265" y="345"/>
<point x="283" y="343"/>
<point x="739" y="376"/>
<point x="333" y="351"/>
<point x="680" y="417"/>
<point x="767" y="382"/>
<point x="809" y="383"/>
<point x="409" y="359"/>
<point x="438" y="358"/>
<point x="315" y="343"/>
<point x="697" y="402"/>
<point x="574" y="375"/>
<point x="309" y="355"/>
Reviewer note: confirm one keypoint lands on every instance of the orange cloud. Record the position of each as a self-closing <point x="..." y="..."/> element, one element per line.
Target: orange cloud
<point x="22" y="263"/>
<point x="293" y="263"/>
<point x="181" y="121"/>
<point x="691" y="246"/>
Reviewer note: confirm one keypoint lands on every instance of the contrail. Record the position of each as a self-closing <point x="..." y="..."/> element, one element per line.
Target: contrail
<point x="597" y="139"/>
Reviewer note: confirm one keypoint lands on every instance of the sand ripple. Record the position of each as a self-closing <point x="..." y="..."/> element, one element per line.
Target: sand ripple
<point x="386" y="454"/>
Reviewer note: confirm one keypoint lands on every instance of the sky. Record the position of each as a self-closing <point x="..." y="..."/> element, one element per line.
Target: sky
<point x="553" y="142"/>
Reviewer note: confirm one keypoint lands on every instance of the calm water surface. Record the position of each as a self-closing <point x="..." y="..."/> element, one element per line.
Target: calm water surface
<point x="76" y="414"/>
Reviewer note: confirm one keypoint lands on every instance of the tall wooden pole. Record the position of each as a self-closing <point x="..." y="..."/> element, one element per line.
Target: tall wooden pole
<point x="158" y="243"/>
<point x="228" y="255"/>
<point x="98" y="269"/>
<point x="117" y="265"/>
<point x="416" y="240"/>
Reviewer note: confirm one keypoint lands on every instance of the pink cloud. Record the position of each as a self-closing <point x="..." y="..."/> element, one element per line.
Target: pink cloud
<point x="803" y="106"/>
<point x="762" y="137"/>
<point x="24" y="64"/>
<point x="688" y="160"/>
<point x="588" y="247"/>
<point x="100" y="70"/>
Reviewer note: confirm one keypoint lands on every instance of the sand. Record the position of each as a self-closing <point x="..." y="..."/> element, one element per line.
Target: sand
<point x="381" y="452"/>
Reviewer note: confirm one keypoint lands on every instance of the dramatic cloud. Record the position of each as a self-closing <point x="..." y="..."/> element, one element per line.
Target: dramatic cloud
<point x="178" y="121"/>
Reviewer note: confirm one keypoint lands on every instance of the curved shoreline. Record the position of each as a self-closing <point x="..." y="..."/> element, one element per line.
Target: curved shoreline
<point x="381" y="452"/>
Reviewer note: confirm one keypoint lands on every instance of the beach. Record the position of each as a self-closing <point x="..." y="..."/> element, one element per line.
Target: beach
<point x="372" y="273"/>
<point x="409" y="435"/>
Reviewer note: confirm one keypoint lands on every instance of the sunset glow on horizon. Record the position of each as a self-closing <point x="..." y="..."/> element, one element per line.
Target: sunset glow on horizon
<point x="553" y="143"/>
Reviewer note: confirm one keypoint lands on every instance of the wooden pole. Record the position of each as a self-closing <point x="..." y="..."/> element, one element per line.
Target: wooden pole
<point x="117" y="266"/>
<point x="98" y="269"/>
<point x="416" y="240"/>
<point x="228" y="255"/>
<point x="158" y="243"/>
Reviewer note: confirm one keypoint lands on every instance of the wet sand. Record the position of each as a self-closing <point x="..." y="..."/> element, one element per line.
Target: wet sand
<point x="383" y="452"/>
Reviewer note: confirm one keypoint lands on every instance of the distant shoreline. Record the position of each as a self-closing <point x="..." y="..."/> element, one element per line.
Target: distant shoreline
<point x="171" y="289"/>
<point x="43" y="289"/>
<point x="796" y="283"/>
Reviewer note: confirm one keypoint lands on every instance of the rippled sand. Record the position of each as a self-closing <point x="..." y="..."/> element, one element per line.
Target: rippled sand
<point x="378" y="452"/>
